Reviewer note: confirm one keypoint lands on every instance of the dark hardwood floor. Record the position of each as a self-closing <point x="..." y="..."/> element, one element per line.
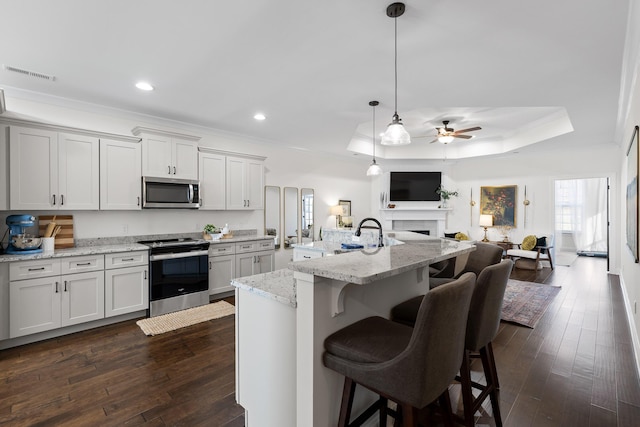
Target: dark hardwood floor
<point x="575" y="368"/>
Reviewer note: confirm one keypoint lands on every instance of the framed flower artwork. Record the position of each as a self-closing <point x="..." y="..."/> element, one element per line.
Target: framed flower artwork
<point x="633" y="154"/>
<point x="501" y="203"/>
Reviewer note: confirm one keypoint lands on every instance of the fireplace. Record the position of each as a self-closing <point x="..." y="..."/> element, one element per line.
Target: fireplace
<point x="431" y="221"/>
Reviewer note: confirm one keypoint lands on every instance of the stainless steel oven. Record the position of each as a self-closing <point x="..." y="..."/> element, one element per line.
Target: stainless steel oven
<point x="179" y="275"/>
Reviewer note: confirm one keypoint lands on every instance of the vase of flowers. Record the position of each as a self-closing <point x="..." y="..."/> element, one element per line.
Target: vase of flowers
<point x="445" y="195"/>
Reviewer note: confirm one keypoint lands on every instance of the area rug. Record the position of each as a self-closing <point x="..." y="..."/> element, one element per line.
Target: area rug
<point x="525" y="302"/>
<point x="180" y="319"/>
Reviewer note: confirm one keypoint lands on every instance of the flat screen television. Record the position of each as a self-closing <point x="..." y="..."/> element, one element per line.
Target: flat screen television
<point x="414" y="186"/>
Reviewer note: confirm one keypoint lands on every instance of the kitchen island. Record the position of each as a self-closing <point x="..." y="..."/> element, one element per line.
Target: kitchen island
<point x="283" y="317"/>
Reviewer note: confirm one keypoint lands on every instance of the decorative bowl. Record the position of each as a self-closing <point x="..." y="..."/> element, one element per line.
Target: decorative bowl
<point x="25" y="241"/>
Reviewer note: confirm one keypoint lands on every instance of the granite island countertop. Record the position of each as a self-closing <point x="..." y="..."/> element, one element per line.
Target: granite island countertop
<point x="369" y="265"/>
<point x="360" y="266"/>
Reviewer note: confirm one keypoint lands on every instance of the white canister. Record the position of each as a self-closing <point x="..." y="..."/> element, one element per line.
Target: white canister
<point x="48" y="244"/>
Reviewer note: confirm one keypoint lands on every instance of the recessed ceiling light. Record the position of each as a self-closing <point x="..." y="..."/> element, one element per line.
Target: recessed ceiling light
<point x="144" y="86"/>
<point x="260" y="116"/>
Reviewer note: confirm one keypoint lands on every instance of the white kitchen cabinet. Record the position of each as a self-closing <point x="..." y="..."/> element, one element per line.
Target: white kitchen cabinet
<point x="42" y="297"/>
<point x="168" y="154"/>
<point x="126" y="283"/>
<point x="212" y="176"/>
<point x="245" y="183"/>
<point x="82" y="297"/>
<point x="222" y="269"/>
<point x="255" y="257"/>
<point x="53" y="170"/>
<point x="301" y="254"/>
<point x="34" y="306"/>
<point x="120" y="175"/>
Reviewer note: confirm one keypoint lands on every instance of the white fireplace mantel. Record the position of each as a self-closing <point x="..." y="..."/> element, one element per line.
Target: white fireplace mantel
<point x="436" y="218"/>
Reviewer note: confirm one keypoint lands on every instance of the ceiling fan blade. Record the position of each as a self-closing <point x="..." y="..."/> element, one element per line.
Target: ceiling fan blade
<point x="435" y="140"/>
<point x="468" y="130"/>
<point x="463" y="136"/>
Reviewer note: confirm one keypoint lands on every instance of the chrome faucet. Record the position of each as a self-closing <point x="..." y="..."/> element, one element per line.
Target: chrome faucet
<point x="359" y="232"/>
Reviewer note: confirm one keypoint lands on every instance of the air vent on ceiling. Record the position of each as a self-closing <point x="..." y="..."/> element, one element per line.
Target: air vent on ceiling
<point x="30" y="73"/>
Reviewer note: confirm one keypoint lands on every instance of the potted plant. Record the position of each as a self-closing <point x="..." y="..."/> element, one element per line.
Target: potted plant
<point x="213" y="231"/>
<point x="445" y="195"/>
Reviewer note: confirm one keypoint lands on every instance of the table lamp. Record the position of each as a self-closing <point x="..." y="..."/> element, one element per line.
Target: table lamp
<point x="337" y="210"/>
<point x="486" y="221"/>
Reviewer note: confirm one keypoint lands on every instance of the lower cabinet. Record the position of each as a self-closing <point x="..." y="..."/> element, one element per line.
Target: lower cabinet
<point x="254" y="263"/>
<point x="126" y="290"/>
<point x="126" y="283"/>
<point x="44" y="303"/>
<point x="57" y="292"/>
<point x="230" y="260"/>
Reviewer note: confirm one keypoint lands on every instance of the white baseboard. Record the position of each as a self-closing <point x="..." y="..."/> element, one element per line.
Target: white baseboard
<point x="632" y="326"/>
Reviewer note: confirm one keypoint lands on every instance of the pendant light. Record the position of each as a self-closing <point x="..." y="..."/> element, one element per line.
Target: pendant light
<point x="374" y="168"/>
<point x="396" y="134"/>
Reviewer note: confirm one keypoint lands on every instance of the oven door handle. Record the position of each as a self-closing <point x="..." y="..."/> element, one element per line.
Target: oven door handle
<point x="178" y="255"/>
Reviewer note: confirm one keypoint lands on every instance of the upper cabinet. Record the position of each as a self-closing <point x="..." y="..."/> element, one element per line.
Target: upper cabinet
<point x="53" y="170"/>
<point x="212" y="176"/>
<point x="245" y="183"/>
<point x="168" y="154"/>
<point x="120" y="175"/>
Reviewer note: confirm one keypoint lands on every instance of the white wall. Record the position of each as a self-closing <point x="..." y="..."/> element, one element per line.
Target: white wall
<point x="630" y="117"/>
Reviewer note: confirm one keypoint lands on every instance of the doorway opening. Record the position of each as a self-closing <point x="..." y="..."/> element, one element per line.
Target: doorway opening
<point x="581" y="219"/>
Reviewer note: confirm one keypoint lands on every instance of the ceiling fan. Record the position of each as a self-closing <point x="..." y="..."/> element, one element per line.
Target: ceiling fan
<point x="446" y="134"/>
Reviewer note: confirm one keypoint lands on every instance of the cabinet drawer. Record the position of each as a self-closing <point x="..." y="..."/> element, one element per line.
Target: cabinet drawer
<point x="82" y="264"/>
<point x="265" y="245"/>
<point x="246" y="247"/>
<point x="300" y="254"/>
<point x="219" y="249"/>
<point x="32" y="269"/>
<point x="126" y="259"/>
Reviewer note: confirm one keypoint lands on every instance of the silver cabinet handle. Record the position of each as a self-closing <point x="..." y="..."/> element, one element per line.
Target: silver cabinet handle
<point x="83" y="263"/>
<point x="209" y="265"/>
<point x="62" y="200"/>
<point x="169" y="169"/>
<point x="138" y="200"/>
<point x="56" y="287"/>
<point x="305" y="256"/>
<point x="36" y="269"/>
<point x="127" y="259"/>
<point x="65" y="286"/>
<point x="174" y="170"/>
<point x="248" y="203"/>
<point x="145" y="275"/>
<point x="54" y="200"/>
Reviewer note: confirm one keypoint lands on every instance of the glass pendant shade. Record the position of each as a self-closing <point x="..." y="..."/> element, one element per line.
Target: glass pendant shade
<point x="396" y="134"/>
<point x="374" y="169"/>
<point x="445" y="139"/>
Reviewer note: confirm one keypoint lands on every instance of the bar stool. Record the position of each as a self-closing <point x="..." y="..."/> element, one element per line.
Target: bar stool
<point x="485" y="254"/>
<point x="410" y="366"/>
<point x="482" y="326"/>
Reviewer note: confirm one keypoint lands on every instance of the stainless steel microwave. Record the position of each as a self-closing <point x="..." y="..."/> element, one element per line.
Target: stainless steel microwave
<point x="170" y="193"/>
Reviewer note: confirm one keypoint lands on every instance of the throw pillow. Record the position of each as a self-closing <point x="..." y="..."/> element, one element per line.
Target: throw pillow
<point x="461" y="236"/>
<point x="529" y="242"/>
<point x="541" y="241"/>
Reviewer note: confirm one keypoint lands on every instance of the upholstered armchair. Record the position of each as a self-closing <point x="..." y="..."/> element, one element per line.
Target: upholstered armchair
<point x="535" y="248"/>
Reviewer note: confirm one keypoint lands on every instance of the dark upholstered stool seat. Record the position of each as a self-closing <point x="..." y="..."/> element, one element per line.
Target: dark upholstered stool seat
<point x="373" y="339"/>
<point x="485" y="254"/>
<point x="410" y="366"/>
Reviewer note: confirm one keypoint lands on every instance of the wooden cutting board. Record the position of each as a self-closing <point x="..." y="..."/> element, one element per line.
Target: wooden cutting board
<point x="64" y="239"/>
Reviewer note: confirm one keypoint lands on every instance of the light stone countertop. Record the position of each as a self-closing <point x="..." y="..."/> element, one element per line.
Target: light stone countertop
<point x="360" y="266"/>
<point x="279" y="285"/>
<point x="369" y="265"/>
<point x="77" y="251"/>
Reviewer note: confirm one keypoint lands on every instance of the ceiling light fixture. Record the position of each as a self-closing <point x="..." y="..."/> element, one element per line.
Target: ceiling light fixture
<point x="144" y="86"/>
<point x="445" y="139"/>
<point x="374" y="168"/>
<point x="260" y="116"/>
<point x="396" y="134"/>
